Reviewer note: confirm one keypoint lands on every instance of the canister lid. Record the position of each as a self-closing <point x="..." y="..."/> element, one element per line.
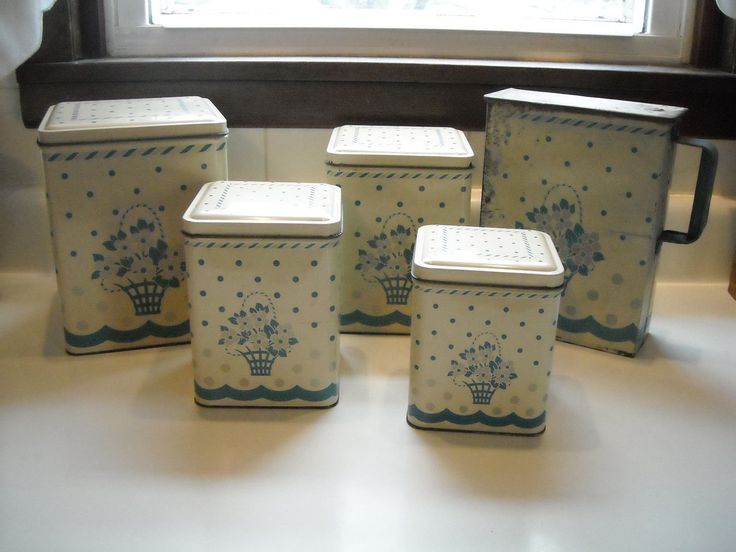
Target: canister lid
<point x="142" y="118"/>
<point x="490" y="256"/>
<point x="279" y="209"/>
<point x="586" y="103"/>
<point x="399" y="146"/>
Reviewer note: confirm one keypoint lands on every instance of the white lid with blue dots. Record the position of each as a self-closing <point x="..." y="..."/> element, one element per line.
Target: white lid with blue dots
<point x="399" y="146"/>
<point x="277" y="209"/>
<point x="133" y="119"/>
<point x="490" y="256"/>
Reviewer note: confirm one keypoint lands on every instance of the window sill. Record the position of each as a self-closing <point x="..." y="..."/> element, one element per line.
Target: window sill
<point x="313" y="92"/>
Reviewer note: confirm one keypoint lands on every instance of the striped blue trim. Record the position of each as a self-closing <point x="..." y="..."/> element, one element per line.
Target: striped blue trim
<point x="483" y="293"/>
<point x="261" y="392"/>
<point x="479" y="417"/>
<point x="631" y="129"/>
<point x="131" y="152"/>
<point x="212" y="244"/>
<point x="464" y="175"/>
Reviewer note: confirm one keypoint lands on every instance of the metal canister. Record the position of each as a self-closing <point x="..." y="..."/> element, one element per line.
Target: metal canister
<point x="394" y="179"/>
<point x="485" y="306"/>
<point x="593" y="173"/>
<point x="119" y="174"/>
<point x="264" y="290"/>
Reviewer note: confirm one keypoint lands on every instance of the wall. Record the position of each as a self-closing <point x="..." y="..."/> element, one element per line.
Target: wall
<point x="297" y="155"/>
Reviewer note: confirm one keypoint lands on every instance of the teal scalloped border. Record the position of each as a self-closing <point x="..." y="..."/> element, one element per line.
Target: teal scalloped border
<point x="359" y="317"/>
<point x="106" y="333"/>
<point x="477" y="418"/>
<point x="261" y="392"/>
<point x="592" y="326"/>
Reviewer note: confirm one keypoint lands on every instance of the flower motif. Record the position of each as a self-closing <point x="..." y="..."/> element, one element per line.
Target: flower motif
<point x="137" y="254"/>
<point x="481" y="365"/>
<point x="578" y="249"/>
<point x="503" y="375"/>
<point x="255" y="329"/>
<point x="389" y="253"/>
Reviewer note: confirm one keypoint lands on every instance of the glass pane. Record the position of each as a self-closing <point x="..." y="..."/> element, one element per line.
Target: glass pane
<point x="520" y="15"/>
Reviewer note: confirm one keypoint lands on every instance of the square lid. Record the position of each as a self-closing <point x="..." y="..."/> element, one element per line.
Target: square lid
<point x="639" y="110"/>
<point x="105" y="120"/>
<point x="489" y="256"/>
<point x="399" y="146"/>
<point x="278" y="209"/>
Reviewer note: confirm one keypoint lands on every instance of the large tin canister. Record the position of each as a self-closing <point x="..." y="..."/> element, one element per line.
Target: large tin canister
<point x="594" y="174"/>
<point x="263" y="288"/>
<point x="394" y="179"/>
<point x="485" y="305"/>
<point x="119" y="174"/>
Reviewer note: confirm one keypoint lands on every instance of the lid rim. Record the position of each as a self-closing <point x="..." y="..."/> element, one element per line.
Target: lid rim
<point x="226" y="132"/>
<point x="204" y="120"/>
<point x="670" y="115"/>
<point x="540" y="267"/>
<point x="460" y="155"/>
<point x="441" y="283"/>
<point x="239" y="220"/>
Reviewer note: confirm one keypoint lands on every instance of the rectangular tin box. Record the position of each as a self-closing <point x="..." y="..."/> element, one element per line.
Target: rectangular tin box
<point x="393" y="180"/>
<point x="485" y="306"/>
<point x="119" y="174"/>
<point x="263" y="288"/>
<point x="594" y="174"/>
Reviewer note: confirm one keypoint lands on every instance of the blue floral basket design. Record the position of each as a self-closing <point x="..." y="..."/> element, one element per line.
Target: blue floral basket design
<point x="138" y="261"/>
<point x="387" y="259"/>
<point x="255" y="334"/>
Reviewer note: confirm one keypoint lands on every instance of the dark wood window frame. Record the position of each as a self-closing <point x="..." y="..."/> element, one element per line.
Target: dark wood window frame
<point x="325" y="92"/>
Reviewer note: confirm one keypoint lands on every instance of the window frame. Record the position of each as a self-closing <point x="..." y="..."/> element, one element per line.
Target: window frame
<point x="322" y="92"/>
<point x="666" y="41"/>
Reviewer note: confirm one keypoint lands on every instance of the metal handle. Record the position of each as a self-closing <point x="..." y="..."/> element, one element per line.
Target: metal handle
<point x="703" y="192"/>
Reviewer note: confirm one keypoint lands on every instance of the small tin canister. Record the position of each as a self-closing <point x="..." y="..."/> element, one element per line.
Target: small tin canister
<point x="594" y="174"/>
<point x="119" y="174"/>
<point x="485" y="306"/>
<point x="394" y="179"/>
<point x="263" y="289"/>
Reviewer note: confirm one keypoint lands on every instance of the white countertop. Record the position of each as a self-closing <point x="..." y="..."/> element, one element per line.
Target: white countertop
<point x="109" y="452"/>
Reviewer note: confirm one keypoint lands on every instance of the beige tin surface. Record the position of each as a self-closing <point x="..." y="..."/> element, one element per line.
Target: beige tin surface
<point x="594" y="174"/>
<point x="394" y="179"/>
<point x="481" y="351"/>
<point x="263" y="288"/>
<point x="115" y="209"/>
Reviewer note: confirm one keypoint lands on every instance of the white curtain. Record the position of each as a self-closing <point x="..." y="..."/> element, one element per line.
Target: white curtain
<point x="20" y="31"/>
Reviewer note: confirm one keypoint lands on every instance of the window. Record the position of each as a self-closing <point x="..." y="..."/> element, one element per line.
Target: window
<point x="635" y="31"/>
